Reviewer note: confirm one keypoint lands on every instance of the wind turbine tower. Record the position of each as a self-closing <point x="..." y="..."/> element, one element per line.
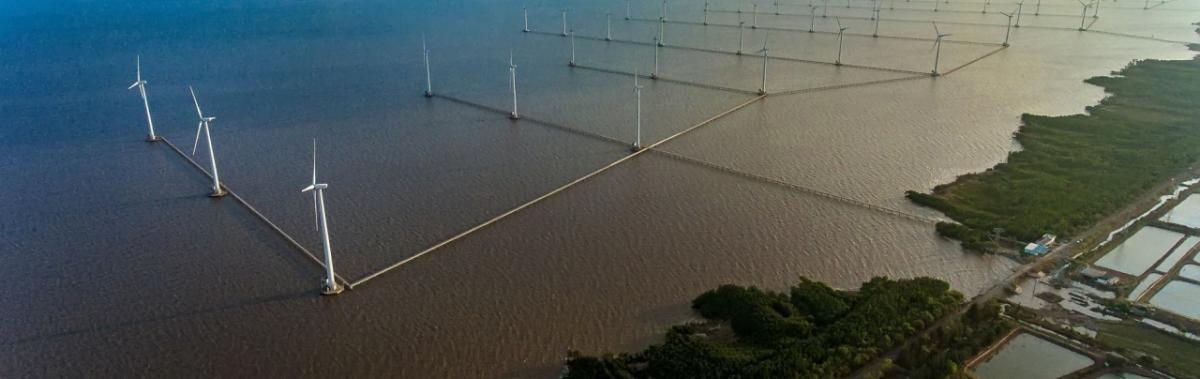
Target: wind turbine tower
<point x="741" y="30"/>
<point x="512" y="73"/>
<point x="762" y="90"/>
<point x="564" y="23"/>
<point x="525" y="15"/>
<point x="608" y="27"/>
<point x="331" y="286"/>
<point x="1083" y="18"/>
<point x="637" y="90"/>
<point x="1020" y="7"/>
<point x="428" y="76"/>
<point x="212" y="158"/>
<point x="654" y="75"/>
<point x="141" y="86"/>
<point x="572" y="62"/>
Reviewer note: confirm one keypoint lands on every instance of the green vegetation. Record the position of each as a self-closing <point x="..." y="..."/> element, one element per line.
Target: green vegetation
<point x="943" y="352"/>
<point x="1075" y="170"/>
<point x="812" y="331"/>
<point x="1174" y="354"/>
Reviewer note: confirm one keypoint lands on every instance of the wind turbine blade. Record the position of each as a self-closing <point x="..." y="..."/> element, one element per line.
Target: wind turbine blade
<point x="935" y="29"/>
<point x="316" y="216"/>
<point x="197" y="102"/>
<point x="135" y="84"/>
<point x="839" y="22"/>
<point x="196" y="143"/>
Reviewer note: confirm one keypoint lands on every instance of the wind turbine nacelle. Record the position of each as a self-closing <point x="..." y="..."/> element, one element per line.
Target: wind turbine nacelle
<point x="320" y="186"/>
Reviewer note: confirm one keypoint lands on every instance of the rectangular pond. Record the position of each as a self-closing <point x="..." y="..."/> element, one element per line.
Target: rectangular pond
<point x="1179" y="297"/>
<point x="1190" y="272"/>
<point x="1177" y="254"/>
<point x="1139" y="252"/>
<point x="1143" y="286"/>
<point x="1187" y="213"/>
<point x="1031" y="357"/>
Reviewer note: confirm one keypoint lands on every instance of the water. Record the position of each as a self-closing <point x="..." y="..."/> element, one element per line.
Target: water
<point x="1187" y="213"/>
<point x="1144" y="286"/>
<point x="1180" y="298"/>
<point x="1029" y="356"/>
<point x="1138" y="253"/>
<point x="121" y="266"/>
<point x="1177" y="254"/>
<point x="1190" y="271"/>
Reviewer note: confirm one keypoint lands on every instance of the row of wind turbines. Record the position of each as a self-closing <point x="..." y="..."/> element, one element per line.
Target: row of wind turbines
<point x="660" y="38"/>
<point x="330" y="284"/>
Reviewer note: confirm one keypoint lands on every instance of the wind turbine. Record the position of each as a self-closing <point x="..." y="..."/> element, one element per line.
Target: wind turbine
<point x="776" y="7"/>
<point x="825" y="10"/>
<point x="741" y="29"/>
<point x="876" y="18"/>
<point x="663" y="12"/>
<point x="1038" y="11"/>
<point x="318" y="189"/>
<point x="762" y="90"/>
<point x="212" y="158"/>
<point x="841" y="31"/>
<point x="141" y="86"/>
<point x="627" y="8"/>
<point x="662" y="30"/>
<point x="1008" y="29"/>
<point x="935" y="5"/>
<point x="937" y="44"/>
<point x="754" y="16"/>
<point x="512" y="73"/>
<point x="1096" y="12"/>
<point x="564" y="23"/>
<point x="637" y="89"/>
<point x="525" y="15"/>
<point x="812" y="22"/>
<point x="608" y="28"/>
<point x="1083" y="18"/>
<point x="572" y="62"/>
<point x="654" y="75"/>
<point x="705" y="13"/>
<point x="428" y="77"/>
<point x="985" y="6"/>
<point x="1020" y="6"/>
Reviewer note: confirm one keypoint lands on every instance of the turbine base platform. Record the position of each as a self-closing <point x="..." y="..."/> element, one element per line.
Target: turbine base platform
<point x="153" y="139"/>
<point x="220" y="193"/>
<point x="330" y="291"/>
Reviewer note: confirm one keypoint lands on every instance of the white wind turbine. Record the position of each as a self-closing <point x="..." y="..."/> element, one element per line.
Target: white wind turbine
<point x="608" y="27"/>
<point x="318" y="189"/>
<point x="1083" y="18"/>
<point x="741" y="29"/>
<point x="512" y="72"/>
<point x="525" y="15"/>
<point x="141" y="86"/>
<point x="754" y="16"/>
<point x="1007" y="30"/>
<point x="662" y="30"/>
<point x="564" y="23"/>
<point x="937" y="45"/>
<point x="705" y="13"/>
<point x="212" y="158"/>
<point x="637" y="90"/>
<point x="1020" y="7"/>
<point x="841" y="31"/>
<point x="812" y="22"/>
<point x="762" y="90"/>
<point x="654" y="75"/>
<point x="428" y="77"/>
<point x="572" y="38"/>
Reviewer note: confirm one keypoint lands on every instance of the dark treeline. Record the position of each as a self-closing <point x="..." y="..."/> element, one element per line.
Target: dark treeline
<point x="811" y="331"/>
<point x="942" y="352"/>
<point x="1074" y="170"/>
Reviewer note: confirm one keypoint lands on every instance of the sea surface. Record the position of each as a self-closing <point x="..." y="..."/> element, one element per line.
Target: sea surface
<point x="118" y="264"/>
